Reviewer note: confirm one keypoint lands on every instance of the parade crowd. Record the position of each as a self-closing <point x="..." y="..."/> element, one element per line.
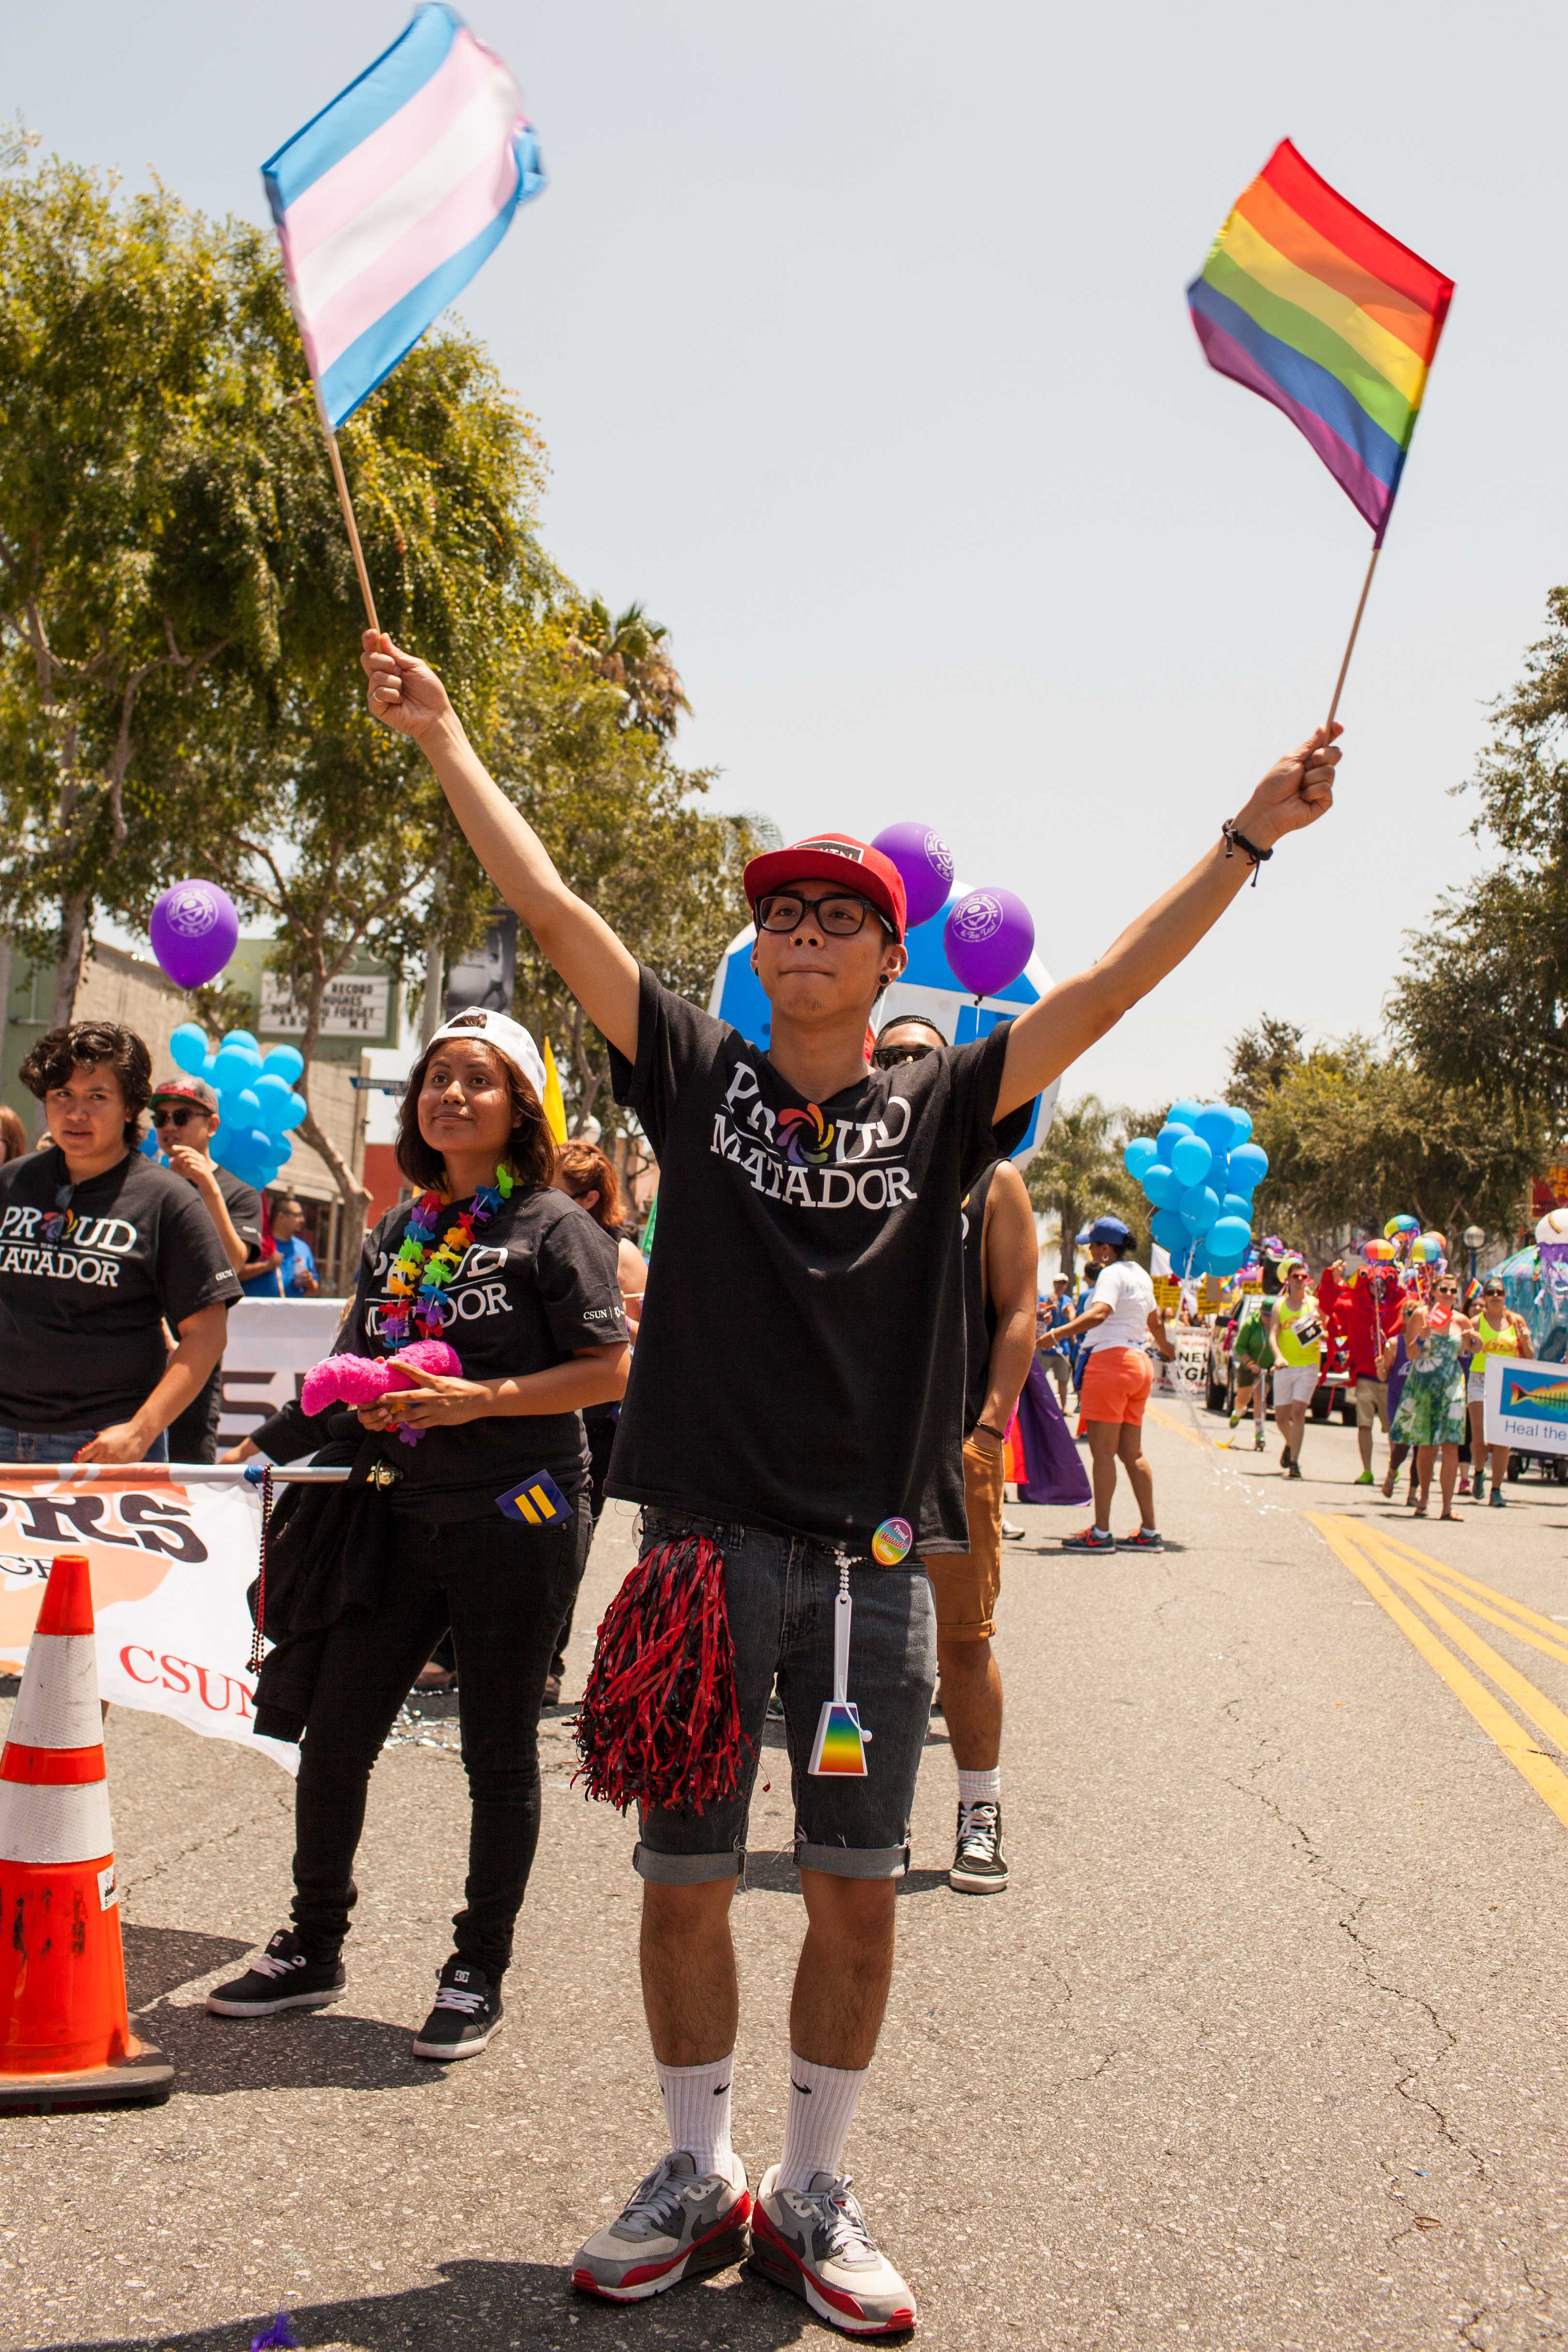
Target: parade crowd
<point x="832" y="1333"/>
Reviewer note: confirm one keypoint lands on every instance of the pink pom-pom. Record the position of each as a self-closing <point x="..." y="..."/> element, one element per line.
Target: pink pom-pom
<point x="362" y="1380"/>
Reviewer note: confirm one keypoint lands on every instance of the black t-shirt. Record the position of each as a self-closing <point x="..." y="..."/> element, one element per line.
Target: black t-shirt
<point x="84" y="1293"/>
<point x="243" y="1203"/>
<point x="537" y="1284"/>
<point x="800" y="1359"/>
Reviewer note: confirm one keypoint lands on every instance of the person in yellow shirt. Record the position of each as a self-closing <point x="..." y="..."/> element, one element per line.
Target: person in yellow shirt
<point x="1296" y="1334"/>
<point x="1498" y="1332"/>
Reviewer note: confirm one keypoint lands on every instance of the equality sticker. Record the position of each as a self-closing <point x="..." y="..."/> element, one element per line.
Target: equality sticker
<point x="891" y="1542"/>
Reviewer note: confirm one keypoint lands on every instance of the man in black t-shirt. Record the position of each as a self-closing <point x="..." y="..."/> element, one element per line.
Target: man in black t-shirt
<point x="797" y="1400"/>
<point x="185" y="1118"/>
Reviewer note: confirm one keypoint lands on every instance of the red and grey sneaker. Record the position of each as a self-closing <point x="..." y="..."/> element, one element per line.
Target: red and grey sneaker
<point x="815" y="2242"/>
<point x="678" y="2224"/>
<point x="1146" y="1539"/>
<point x="1088" y="1540"/>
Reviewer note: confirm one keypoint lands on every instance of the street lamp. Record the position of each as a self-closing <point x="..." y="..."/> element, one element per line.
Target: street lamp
<point x="1475" y="1239"/>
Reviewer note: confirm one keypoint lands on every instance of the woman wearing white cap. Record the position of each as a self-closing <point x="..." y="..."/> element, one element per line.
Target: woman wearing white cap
<point x="484" y="1526"/>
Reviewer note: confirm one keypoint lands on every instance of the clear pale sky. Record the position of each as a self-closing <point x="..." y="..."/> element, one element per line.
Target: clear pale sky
<point x="857" y="332"/>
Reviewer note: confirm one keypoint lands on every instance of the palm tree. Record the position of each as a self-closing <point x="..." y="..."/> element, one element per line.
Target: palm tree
<point x="1076" y="1174"/>
<point x="631" y="652"/>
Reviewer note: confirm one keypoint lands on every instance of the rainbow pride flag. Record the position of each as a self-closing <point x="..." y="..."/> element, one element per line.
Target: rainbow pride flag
<point x="390" y="199"/>
<point x="1313" y="306"/>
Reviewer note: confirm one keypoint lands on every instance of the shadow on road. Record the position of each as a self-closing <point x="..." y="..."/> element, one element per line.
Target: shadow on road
<point x="158" y="1960"/>
<point x="307" y="2050"/>
<point x="499" y="2305"/>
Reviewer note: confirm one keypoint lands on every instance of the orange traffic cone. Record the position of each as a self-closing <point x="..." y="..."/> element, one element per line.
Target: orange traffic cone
<point x="64" y="2033"/>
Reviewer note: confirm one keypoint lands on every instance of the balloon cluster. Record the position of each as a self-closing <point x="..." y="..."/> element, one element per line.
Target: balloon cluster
<point x="256" y="1101"/>
<point x="1200" y="1173"/>
<point x="1418" y="1255"/>
<point x="989" y="935"/>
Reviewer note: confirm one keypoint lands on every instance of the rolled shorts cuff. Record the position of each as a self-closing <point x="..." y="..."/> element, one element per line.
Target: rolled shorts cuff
<point x="854" y="1861"/>
<point x="686" y="1869"/>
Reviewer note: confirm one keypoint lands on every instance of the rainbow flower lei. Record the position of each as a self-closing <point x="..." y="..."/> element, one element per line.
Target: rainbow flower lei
<point x="422" y="1270"/>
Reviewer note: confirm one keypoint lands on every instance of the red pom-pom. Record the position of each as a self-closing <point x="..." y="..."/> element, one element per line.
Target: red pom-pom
<point x="659" y="1723"/>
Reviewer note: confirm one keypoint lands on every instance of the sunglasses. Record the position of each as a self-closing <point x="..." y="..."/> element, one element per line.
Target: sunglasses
<point x="888" y="1058"/>
<point x="841" y="913"/>
<point x="177" y="1117"/>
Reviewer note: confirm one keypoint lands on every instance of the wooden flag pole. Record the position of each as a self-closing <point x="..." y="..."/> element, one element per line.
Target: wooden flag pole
<point x="346" y="503"/>
<point x="1350" y="648"/>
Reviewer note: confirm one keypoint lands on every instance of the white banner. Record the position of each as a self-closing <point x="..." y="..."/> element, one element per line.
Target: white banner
<point x="272" y="1343"/>
<point x="1527" y="1405"/>
<point x="171" y="1558"/>
<point x="1188" y="1375"/>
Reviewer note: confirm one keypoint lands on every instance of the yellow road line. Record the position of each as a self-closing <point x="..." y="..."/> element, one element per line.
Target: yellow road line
<point x="1167" y="1421"/>
<point x="1457" y="1576"/>
<point x="1531" y="1704"/>
<point x="1441" y="1581"/>
<point x="1550" y="1784"/>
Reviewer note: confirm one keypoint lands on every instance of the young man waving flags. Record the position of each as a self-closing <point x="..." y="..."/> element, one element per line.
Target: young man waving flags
<point x="796" y="1401"/>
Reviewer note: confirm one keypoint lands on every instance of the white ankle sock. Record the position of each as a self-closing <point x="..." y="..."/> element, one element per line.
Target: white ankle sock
<point x="822" y="2103"/>
<point x="697" y="2110"/>
<point x="980" y="1787"/>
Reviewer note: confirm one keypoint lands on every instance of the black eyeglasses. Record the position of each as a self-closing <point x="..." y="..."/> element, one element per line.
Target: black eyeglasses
<point x="840" y="913"/>
<point x="177" y="1117"/>
<point x="888" y="1058"/>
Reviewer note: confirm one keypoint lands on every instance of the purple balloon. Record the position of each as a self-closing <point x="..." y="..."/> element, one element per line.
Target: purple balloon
<point x="925" y="862"/>
<point x="193" y="931"/>
<point x="989" y="937"/>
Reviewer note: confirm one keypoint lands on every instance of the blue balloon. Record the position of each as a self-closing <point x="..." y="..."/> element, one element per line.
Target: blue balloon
<point x="1248" y="1167"/>
<point x="1169" y="1136"/>
<point x="1235" y="1204"/>
<point x="1241" y="1122"/>
<point x="188" y="1045"/>
<point x="148" y="1146"/>
<point x="209" y="1071"/>
<point x="282" y="1150"/>
<point x="1141" y="1153"/>
<point x="1191" y="1160"/>
<point x="1157" y="1184"/>
<point x="1229" y="1236"/>
<point x="241" y="1106"/>
<point x="1169" y="1231"/>
<point x="1217" y="1175"/>
<point x="274" y="1096"/>
<point x="1217" y="1124"/>
<point x="1183" y="1113"/>
<point x="235" y="1066"/>
<point x="298" y="1108"/>
<point x="285" y="1062"/>
<point x="241" y="1037"/>
<point x="1198" y="1208"/>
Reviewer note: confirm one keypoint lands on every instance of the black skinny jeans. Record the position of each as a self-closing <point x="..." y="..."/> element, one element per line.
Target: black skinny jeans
<point x="502" y="1589"/>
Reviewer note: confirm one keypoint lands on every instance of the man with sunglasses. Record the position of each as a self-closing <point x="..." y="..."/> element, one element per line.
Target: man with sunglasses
<point x="796" y="1404"/>
<point x="184" y="1120"/>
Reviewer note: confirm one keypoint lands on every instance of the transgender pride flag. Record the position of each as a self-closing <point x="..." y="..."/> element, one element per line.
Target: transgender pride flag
<point x="389" y="201"/>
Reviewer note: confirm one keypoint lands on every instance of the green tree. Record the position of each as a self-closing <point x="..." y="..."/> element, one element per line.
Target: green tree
<point x="631" y="653"/>
<point x="1354" y="1137"/>
<point x="1261" y="1059"/>
<point x="1076" y="1174"/>
<point x="627" y="828"/>
<point x="1482" y="1000"/>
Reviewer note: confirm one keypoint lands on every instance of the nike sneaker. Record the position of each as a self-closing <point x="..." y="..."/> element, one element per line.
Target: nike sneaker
<point x="815" y="2242"/>
<point x="678" y="2224"/>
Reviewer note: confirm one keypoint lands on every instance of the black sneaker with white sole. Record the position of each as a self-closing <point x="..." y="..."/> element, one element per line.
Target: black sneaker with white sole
<point x="278" y="1978"/>
<point x="468" y="2011"/>
<point x="979" y="1864"/>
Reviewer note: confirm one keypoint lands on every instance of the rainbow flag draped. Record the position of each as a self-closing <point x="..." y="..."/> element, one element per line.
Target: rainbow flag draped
<point x="1313" y="306"/>
<point x="390" y="199"/>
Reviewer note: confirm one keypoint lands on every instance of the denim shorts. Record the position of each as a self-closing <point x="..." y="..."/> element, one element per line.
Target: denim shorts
<point x="780" y="1591"/>
<point x="62" y="1444"/>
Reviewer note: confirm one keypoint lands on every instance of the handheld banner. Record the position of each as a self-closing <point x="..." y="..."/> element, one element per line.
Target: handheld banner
<point x="1527" y="1405"/>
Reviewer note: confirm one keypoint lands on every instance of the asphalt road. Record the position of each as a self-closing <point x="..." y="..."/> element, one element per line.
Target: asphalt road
<point x="1264" y="2047"/>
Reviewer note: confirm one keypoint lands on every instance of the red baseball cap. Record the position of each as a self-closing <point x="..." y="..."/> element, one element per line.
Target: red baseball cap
<point x="824" y="858"/>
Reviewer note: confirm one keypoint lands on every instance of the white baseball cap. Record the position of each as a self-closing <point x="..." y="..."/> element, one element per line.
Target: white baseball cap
<point x="508" y="1037"/>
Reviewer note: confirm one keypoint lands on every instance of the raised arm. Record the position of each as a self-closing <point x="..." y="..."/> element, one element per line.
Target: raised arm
<point x="1068" y="1018"/>
<point x="407" y="696"/>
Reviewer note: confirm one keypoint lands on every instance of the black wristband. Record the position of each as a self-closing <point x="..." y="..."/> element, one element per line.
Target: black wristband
<point x="1235" y="839"/>
<point x="999" y="1434"/>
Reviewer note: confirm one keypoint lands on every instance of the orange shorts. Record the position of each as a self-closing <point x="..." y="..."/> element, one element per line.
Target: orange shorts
<point x="1115" y="1385"/>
